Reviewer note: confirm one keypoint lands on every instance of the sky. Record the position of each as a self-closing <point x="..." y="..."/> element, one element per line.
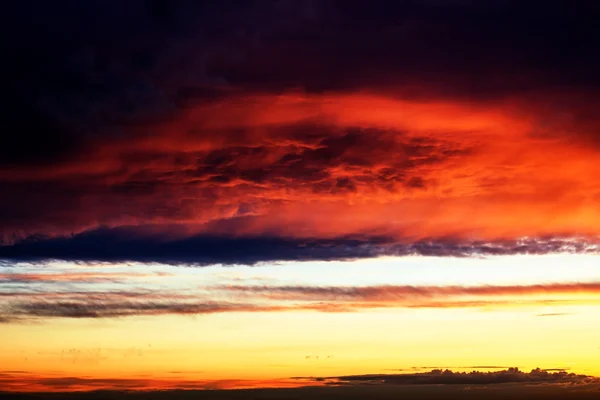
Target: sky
<point x="287" y="193"/>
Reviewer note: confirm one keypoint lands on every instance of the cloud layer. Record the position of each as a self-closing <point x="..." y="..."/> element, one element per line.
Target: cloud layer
<point x="284" y="128"/>
<point x="157" y="244"/>
<point x="29" y="293"/>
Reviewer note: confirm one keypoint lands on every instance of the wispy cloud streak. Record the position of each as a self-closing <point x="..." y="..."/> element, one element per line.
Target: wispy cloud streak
<point x="154" y="299"/>
<point x="386" y="293"/>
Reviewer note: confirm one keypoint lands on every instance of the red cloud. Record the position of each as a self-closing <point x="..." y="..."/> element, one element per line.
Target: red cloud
<point x="323" y="166"/>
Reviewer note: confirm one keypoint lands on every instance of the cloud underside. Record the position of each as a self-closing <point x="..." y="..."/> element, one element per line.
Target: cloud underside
<point x="22" y="304"/>
<point x="136" y="244"/>
<point x="298" y="130"/>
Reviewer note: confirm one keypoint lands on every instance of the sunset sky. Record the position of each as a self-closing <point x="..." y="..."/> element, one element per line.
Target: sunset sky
<point x="278" y="193"/>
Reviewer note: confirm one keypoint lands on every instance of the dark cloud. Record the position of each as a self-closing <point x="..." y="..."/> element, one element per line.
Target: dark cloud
<point x="31" y="305"/>
<point x="480" y="50"/>
<point x="106" y="309"/>
<point x="29" y="308"/>
<point x="139" y="185"/>
<point x="32" y="138"/>
<point x="329" y="160"/>
<point x="133" y="244"/>
<point x="127" y="245"/>
<point x="448" y="377"/>
<point x="457" y="47"/>
<point x="126" y="59"/>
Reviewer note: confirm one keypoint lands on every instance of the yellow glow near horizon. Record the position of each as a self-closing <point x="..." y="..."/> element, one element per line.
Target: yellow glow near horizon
<point x="282" y="345"/>
<point x="549" y="327"/>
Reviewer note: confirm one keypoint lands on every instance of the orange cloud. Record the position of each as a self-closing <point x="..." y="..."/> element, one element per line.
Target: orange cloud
<point x="325" y="166"/>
